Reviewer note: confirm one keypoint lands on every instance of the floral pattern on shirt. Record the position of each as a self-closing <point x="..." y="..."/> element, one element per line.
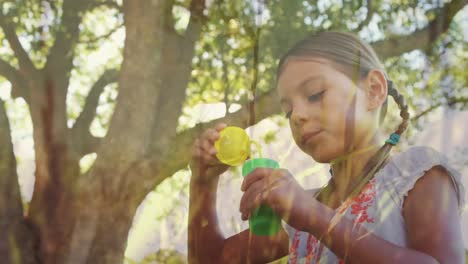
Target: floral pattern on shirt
<point x="359" y="214"/>
<point x="361" y="203"/>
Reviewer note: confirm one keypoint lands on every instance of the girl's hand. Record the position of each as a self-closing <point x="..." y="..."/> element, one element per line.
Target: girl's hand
<point x="204" y="164"/>
<point x="276" y="188"/>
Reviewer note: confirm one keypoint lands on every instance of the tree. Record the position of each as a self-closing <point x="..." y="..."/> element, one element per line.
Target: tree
<point x="77" y="217"/>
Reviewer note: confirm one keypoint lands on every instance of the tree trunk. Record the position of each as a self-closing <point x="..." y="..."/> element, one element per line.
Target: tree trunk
<point x="16" y="236"/>
<point x="51" y="208"/>
<point x="101" y="230"/>
<point x="76" y="218"/>
<point x="111" y="233"/>
<point x="108" y="196"/>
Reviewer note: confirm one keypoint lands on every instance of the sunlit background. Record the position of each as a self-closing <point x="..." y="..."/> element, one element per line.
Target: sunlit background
<point x="161" y="220"/>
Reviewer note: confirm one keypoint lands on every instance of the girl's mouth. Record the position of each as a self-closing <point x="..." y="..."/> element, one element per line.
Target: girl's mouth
<point x="309" y="136"/>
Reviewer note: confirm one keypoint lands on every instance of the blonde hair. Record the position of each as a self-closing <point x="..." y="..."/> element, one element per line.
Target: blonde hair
<point x="356" y="59"/>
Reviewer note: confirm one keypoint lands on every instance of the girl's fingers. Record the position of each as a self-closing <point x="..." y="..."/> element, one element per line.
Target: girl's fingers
<point x="259" y="199"/>
<point x="207" y="158"/>
<point x="220" y="126"/>
<point x="252" y="197"/>
<point x="245" y="216"/>
<point x="209" y="153"/>
<point x="209" y="138"/>
<point x="209" y="134"/>
<point x="257" y="174"/>
<point x="203" y="148"/>
<point x="197" y="150"/>
<point x="208" y="147"/>
<point x="212" y="135"/>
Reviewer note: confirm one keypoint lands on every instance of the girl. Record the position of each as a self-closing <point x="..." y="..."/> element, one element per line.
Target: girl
<point x="376" y="208"/>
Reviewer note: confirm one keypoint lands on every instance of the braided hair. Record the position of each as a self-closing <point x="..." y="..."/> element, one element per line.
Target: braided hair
<point x="356" y="59"/>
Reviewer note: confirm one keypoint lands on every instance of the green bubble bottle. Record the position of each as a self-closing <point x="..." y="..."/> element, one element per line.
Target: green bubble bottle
<point x="233" y="148"/>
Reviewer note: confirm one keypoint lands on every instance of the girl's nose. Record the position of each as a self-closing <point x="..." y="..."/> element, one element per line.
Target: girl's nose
<point x="299" y="116"/>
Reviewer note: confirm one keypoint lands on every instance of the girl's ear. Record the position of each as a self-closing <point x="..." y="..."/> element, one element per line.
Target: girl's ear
<point x="376" y="89"/>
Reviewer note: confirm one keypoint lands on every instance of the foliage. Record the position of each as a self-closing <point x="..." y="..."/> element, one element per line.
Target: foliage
<point x="221" y="71"/>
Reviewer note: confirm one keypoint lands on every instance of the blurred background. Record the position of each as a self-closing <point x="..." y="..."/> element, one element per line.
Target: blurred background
<point x="100" y="101"/>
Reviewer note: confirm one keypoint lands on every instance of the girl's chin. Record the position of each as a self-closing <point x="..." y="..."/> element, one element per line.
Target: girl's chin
<point x="321" y="159"/>
<point x="319" y="155"/>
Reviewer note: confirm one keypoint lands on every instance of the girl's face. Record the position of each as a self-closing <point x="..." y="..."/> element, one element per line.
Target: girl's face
<point x="328" y="114"/>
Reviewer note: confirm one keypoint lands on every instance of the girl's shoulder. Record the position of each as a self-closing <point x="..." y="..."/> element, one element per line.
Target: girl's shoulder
<point x="418" y="156"/>
<point x="405" y="168"/>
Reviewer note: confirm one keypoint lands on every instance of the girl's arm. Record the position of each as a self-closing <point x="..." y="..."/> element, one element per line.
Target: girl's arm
<point x="206" y="244"/>
<point x="432" y="220"/>
<point x="205" y="240"/>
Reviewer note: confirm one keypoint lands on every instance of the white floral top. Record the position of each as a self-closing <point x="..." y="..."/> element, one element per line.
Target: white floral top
<point x="379" y="205"/>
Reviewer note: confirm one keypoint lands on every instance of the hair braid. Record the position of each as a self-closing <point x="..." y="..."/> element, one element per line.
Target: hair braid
<point x="378" y="160"/>
<point x="400" y="100"/>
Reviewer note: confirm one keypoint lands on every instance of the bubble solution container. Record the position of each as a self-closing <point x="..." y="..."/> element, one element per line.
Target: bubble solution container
<point x="263" y="221"/>
<point x="233" y="148"/>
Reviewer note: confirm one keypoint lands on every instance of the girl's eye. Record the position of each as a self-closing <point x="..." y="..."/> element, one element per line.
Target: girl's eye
<point x="315" y="97"/>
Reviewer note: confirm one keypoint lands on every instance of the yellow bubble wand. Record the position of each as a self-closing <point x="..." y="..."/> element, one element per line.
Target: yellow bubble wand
<point x="234" y="146"/>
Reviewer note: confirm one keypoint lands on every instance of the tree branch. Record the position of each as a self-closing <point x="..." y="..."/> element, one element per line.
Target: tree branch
<point x="227" y="85"/>
<point x="370" y="13"/>
<point x="89" y="109"/>
<point x="86" y="144"/>
<point x="48" y="100"/>
<point x="48" y="107"/>
<point x="112" y="4"/>
<point x="197" y="19"/>
<point x="83" y="141"/>
<point x="105" y="36"/>
<point x="60" y="57"/>
<point x="422" y="38"/>
<point x="177" y="55"/>
<point x="25" y="63"/>
<point x="129" y="135"/>
<point x="450" y="102"/>
<point x="11" y="209"/>
<point x="18" y="83"/>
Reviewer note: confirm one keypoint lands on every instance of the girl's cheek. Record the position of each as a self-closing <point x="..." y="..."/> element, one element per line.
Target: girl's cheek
<point x="295" y="135"/>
